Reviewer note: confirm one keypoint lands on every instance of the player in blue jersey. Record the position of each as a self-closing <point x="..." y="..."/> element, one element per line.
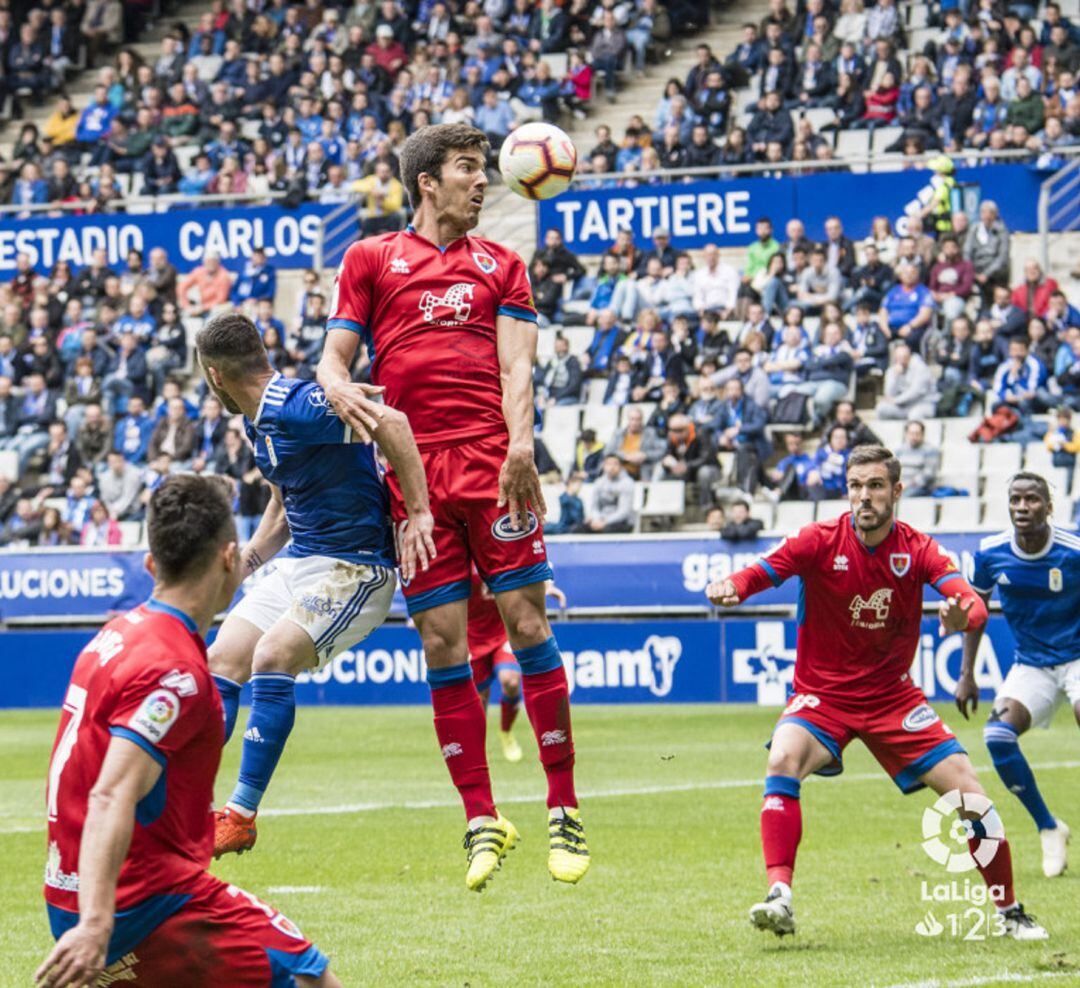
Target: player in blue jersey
<point x="334" y="584"/>
<point x="1036" y="570"/>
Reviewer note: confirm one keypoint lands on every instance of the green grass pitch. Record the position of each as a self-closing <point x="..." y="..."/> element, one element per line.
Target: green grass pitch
<point x="361" y="846"/>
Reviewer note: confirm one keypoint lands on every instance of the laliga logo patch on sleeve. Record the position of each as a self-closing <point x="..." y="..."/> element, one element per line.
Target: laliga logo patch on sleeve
<point x="157" y="714"/>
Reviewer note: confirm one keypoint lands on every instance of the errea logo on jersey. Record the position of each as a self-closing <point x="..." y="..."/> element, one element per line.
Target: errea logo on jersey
<point x="399" y="266"/>
<point x="840" y="564"/>
<point x="456" y="299"/>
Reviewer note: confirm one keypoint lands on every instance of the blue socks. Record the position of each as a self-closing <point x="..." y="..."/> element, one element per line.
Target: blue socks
<point x="539" y="658"/>
<point x="273" y="711"/>
<point x="1004" y="745"/>
<point x="230" y="700"/>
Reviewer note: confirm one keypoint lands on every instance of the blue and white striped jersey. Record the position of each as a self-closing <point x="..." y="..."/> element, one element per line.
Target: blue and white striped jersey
<point x="335" y="498"/>
<point x="1040" y="594"/>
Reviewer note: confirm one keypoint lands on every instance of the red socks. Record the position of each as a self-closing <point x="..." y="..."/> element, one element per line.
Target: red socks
<point x="461" y="727"/>
<point x="547" y="702"/>
<point x="508" y="710"/>
<point x="781" y="827"/>
<point x="997" y="872"/>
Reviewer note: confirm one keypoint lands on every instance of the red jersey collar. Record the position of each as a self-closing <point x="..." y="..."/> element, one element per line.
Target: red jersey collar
<point x="411" y="231"/>
<point x="869" y="548"/>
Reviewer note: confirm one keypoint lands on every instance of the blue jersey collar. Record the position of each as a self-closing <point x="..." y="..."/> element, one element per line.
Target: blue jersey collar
<point x="162" y="608"/>
<point x="411" y="230"/>
<point x="262" y="400"/>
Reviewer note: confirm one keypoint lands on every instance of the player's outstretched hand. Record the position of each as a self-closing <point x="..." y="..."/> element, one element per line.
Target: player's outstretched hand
<point x="967" y="693"/>
<point x="722" y="594"/>
<point x="519" y="487"/>
<point x="954" y="614"/>
<point x="354" y="406"/>
<point x="76" y="961"/>
<point x="417" y="545"/>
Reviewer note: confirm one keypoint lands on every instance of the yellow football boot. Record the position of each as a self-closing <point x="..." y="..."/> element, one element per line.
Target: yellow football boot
<point x="511" y="749"/>
<point x="485" y="848"/>
<point x="568" y="857"/>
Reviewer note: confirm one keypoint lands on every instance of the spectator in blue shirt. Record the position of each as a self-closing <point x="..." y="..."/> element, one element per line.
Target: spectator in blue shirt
<point x="227" y="145"/>
<point x="137" y="321"/>
<point x="606" y="339"/>
<point x="333" y="146"/>
<point x="257" y="281"/>
<point x="132" y="433"/>
<point x="907" y="308"/>
<point x="1018" y="380"/>
<point x="264" y="318"/>
<point x="828" y="479"/>
<point x="791" y="476"/>
<point x="540" y="94"/>
<point x="127" y="375"/>
<point x="494" y="117"/>
<point x="95" y="122"/>
<point x="30" y="188"/>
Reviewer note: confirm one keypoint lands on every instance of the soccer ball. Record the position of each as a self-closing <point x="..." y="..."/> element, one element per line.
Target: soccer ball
<point x="537" y="161"/>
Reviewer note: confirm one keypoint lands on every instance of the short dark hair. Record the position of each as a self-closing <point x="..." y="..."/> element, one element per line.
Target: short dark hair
<point x="231" y="343"/>
<point x="426" y="151"/>
<point x="1032" y="478"/>
<point x="188" y="520"/>
<point x="867" y="455"/>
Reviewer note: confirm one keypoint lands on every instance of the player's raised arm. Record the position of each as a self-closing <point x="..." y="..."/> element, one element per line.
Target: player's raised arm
<point x="962" y="608"/>
<point x="128" y="773"/>
<point x="395" y="438"/>
<point x="350" y="314"/>
<point x="790" y="558"/>
<point x="519" y="483"/>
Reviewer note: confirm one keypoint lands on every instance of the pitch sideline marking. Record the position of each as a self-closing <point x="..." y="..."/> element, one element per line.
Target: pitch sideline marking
<point x="982" y="979"/>
<point x="345" y="809"/>
<point x="295" y="889"/>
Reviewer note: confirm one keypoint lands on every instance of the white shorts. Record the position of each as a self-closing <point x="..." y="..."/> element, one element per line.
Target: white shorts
<point x="337" y="603"/>
<point x="1041" y="690"/>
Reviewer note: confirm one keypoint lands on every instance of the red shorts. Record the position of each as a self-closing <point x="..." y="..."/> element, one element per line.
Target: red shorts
<point x="486" y="665"/>
<point x="902" y="731"/>
<point x="463" y="482"/>
<point x="222" y="937"/>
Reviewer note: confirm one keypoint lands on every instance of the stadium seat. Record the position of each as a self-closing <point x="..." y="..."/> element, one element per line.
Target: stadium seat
<point x="918" y="38"/>
<point x="819" y="116"/>
<point x="890" y="432"/>
<point x="1038" y="459"/>
<point x="919" y="511"/>
<point x="764" y="512"/>
<point x="551" y="494"/>
<point x="602" y="419"/>
<point x="957" y="514"/>
<point x="1001" y="458"/>
<point x="561" y="444"/>
<point x="9" y="464"/>
<point x="250" y="129"/>
<point x="664" y="499"/>
<point x="545" y="345"/>
<point x="853" y="144"/>
<point x="557" y="62"/>
<point x="579" y="338"/>
<point x="130" y="533"/>
<point x="1058" y="478"/>
<point x="918" y="15"/>
<point x="791" y="515"/>
<point x="996" y="513"/>
<point x="887" y="162"/>
<point x="933" y="431"/>
<point x="884" y="136"/>
<point x="594" y="391"/>
<point x="958" y="430"/>
<point x="827" y="510"/>
<point x="966" y="478"/>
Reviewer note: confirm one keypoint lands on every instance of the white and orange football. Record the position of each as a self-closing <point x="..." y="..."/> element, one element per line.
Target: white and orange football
<point x="537" y="161"/>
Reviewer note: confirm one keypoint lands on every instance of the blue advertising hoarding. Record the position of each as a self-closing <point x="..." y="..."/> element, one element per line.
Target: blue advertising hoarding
<point x="633" y="575"/>
<point x="730" y="660"/>
<point x="288" y="235"/>
<point x="722" y="211"/>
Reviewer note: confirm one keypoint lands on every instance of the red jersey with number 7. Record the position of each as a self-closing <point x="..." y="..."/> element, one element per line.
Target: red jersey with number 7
<point x="427" y="315"/>
<point x="144" y="678"/>
<point x="860" y="609"/>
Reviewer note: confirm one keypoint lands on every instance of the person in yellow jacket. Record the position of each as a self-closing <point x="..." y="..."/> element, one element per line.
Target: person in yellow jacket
<point x="1063" y="441"/>
<point x="384" y="201"/>
<point x="934" y="201"/>
<point x="60" y="127"/>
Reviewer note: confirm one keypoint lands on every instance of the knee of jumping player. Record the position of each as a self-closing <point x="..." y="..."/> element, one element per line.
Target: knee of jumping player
<point x="510" y="683"/>
<point x="229" y="664"/>
<point x="272" y="655"/>
<point x="784" y="761"/>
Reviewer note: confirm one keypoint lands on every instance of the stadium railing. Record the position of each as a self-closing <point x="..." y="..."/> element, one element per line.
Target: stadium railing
<point x="148" y="204"/>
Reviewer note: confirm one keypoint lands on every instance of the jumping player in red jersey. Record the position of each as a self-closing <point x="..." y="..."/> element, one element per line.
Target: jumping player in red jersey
<point x="130" y="788"/>
<point x="450" y="330"/>
<point x="860" y="608"/>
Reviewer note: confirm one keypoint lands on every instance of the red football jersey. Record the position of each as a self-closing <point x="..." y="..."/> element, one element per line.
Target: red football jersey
<point x="428" y="317"/>
<point x="143" y="677"/>
<point x="487" y="633"/>
<point x="859" y="608"/>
